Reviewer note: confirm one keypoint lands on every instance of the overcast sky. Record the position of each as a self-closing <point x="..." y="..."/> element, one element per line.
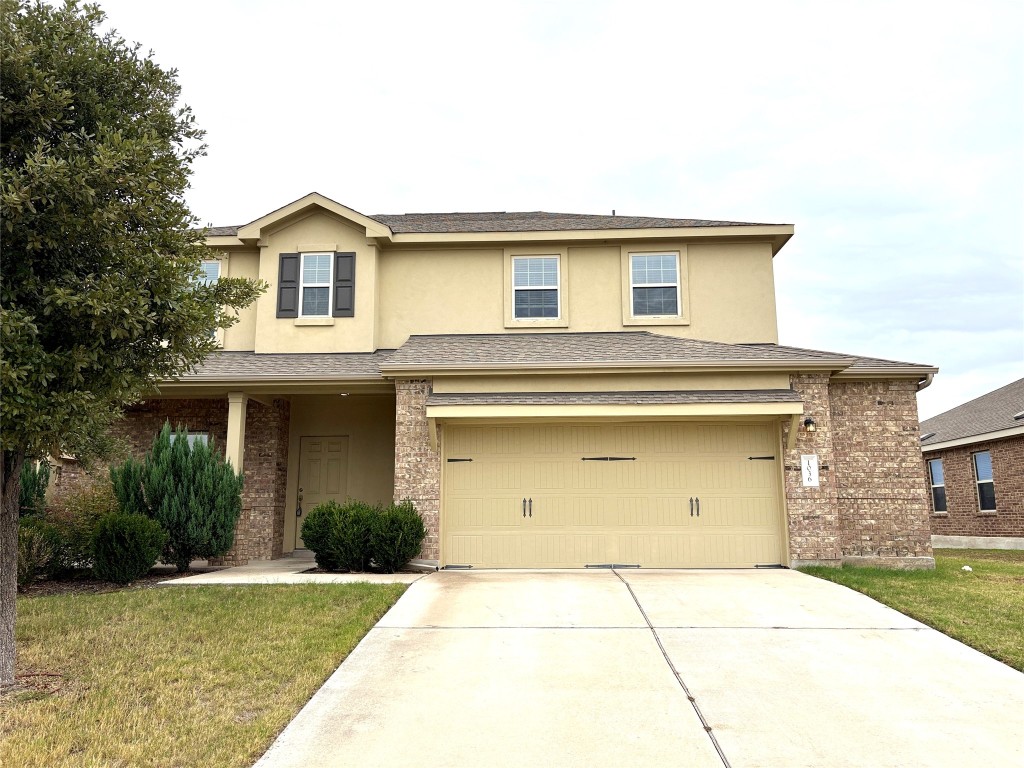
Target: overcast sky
<point x="891" y="134"/>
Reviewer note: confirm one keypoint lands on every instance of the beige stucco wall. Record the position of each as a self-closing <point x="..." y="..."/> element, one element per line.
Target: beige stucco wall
<point x="369" y="423"/>
<point x="728" y="290"/>
<point x="317" y="232"/>
<point x="612" y="382"/>
<point x="242" y="335"/>
<point x="731" y="290"/>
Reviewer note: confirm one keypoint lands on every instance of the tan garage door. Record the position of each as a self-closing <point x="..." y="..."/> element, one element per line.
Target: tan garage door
<point x="655" y="494"/>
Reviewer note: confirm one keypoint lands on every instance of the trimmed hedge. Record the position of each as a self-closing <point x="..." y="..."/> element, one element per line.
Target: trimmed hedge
<point x="360" y="537"/>
<point x="395" y="536"/>
<point x="126" y="546"/>
<point x="70" y="523"/>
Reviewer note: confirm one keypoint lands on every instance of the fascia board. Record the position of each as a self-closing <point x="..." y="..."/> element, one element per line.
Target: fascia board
<point x="623" y="366"/>
<point x="972" y="439"/>
<point x="778" y="234"/>
<point x="374" y="228"/>
<point x="853" y="374"/>
<point x="612" y="411"/>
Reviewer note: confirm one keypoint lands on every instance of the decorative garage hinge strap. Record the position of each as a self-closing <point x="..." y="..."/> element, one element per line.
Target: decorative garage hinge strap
<point x="760" y="458"/>
<point x="452" y="461"/>
<point x="608" y="458"/>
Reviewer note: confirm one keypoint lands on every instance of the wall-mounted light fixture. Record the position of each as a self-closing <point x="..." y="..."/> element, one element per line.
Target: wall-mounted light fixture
<point x="809" y="424"/>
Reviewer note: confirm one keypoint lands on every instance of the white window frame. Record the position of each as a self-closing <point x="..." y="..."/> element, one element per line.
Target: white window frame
<point x="561" y="254"/>
<point x="303" y="285"/>
<point x="934" y="485"/>
<point x="557" y="287"/>
<point x="633" y="284"/>
<point x="203" y="280"/>
<point x="978" y="481"/>
<point x="682" y="286"/>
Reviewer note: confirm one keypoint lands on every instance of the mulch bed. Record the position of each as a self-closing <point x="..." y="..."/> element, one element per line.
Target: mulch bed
<point x="85" y="584"/>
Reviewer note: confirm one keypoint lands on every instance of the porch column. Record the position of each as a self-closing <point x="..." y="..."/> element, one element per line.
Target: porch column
<point x="234" y="450"/>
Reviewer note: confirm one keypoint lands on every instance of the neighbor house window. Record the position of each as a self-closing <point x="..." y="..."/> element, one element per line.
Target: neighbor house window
<point x="193" y="438"/>
<point x="316" y="284"/>
<point x="535" y="287"/>
<point x="654" y="284"/>
<point x="209" y="272"/>
<point x="986" y="486"/>
<point x="938" y="482"/>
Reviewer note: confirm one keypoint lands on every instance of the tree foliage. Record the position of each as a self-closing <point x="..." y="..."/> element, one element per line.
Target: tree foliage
<point x="98" y="293"/>
<point x="190" y="490"/>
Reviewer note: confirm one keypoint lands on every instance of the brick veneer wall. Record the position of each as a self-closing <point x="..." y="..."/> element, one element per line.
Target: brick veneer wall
<point x="963" y="517"/>
<point x="417" y="465"/>
<point x="883" y="513"/>
<point x="259" y="534"/>
<point x="813" y="512"/>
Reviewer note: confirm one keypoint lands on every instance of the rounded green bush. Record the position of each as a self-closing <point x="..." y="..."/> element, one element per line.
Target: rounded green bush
<point x="125" y="547"/>
<point x="396" y="534"/>
<point x="317" y="530"/>
<point x="350" y="539"/>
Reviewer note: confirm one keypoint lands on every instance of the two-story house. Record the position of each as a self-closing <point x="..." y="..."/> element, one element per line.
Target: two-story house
<point x="551" y="390"/>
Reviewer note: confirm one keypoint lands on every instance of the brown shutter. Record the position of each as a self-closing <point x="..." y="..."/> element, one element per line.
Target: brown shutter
<point x="344" y="284"/>
<point x="288" y="285"/>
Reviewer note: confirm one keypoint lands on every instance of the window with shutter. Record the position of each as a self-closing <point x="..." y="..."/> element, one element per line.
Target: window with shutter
<point x="288" y="285"/>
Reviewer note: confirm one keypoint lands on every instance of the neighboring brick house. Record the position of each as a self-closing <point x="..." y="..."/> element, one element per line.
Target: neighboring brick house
<point x="550" y="390"/>
<point x="974" y="471"/>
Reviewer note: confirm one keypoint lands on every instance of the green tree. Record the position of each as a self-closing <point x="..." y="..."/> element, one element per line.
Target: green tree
<point x="190" y="490"/>
<point x="98" y="294"/>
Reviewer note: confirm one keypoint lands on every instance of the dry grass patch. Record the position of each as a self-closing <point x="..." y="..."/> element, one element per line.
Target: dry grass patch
<point x="177" y="676"/>
<point x="983" y="607"/>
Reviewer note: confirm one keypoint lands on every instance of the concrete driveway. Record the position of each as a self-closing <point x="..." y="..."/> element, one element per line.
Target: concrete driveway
<point x="655" y="668"/>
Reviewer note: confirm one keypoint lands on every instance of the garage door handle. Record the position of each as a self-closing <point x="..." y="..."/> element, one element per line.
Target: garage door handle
<point x="531" y="507"/>
<point x="698" y="506"/>
<point x="524" y="506"/>
<point x="691" y="506"/>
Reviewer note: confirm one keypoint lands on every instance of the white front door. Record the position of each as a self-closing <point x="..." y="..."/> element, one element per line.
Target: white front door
<point x="323" y="475"/>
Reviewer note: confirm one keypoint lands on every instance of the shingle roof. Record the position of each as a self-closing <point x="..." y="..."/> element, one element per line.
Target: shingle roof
<point x="527" y="221"/>
<point x="223" y="231"/>
<point x="535" y="221"/>
<point x="859" y="361"/>
<point x="227" y="366"/>
<point x="642" y="347"/>
<point x="615" y="398"/>
<point x="989" y="413"/>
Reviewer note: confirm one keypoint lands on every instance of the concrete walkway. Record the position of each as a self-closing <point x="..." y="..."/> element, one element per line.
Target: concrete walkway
<point x="286" y="570"/>
<point x="654" y="668"/>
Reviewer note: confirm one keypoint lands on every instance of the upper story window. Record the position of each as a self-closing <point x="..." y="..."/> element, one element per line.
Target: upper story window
<point x="986" y="484"/>
<point x="655" y="287"/>
<point x="316" y="284"/>
<point x="209" y="272"/>
<point x="654" y="284"/>
<point x="535" y="287"/>
<point x="938" y="483"/>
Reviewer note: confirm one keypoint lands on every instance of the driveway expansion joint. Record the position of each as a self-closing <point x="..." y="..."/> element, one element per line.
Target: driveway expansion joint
<point x="679" y="678"/>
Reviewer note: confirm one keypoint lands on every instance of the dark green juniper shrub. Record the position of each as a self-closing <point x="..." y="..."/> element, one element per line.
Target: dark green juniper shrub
<point x="193" y="493"/>
<point x="125" y="547"/>
<point x="34" y="481"/>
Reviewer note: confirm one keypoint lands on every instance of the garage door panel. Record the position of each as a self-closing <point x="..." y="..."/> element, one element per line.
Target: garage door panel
<point x="484" y="513"/>
<point x="649" y="510"/>
<point x="632" y="511"/>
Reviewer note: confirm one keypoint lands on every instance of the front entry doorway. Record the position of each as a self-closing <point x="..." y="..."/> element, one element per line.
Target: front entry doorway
<point x="323" y="475"/>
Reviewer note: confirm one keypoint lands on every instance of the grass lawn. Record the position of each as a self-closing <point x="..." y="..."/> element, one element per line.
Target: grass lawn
<point x="983" y="608"/>
<point x="175" y="676"/>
